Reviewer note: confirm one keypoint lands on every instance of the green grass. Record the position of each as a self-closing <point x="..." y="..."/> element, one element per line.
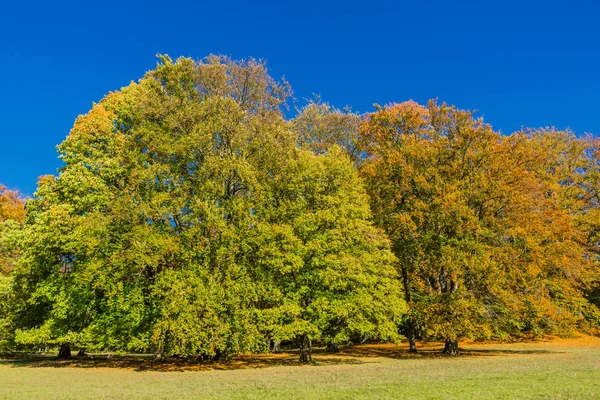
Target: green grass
<point x="557" y="370"/>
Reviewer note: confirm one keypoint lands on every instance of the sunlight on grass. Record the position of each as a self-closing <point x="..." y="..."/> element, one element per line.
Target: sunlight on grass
<point x="560" y="369"/>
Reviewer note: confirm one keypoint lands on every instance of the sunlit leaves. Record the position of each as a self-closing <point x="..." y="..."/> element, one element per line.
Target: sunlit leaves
<point x="185" y="221"/>
<point x="474" y="221"/>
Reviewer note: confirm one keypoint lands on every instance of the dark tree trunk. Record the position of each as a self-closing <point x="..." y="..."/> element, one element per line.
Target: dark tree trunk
<point x="410" y="324"/>
<point x="219" y="356"/>
<point x="451" y="347"/>
<point x="305" y="349"/>
<point x="333" y="348"/>
<point x="158" y="357"/>
<point x="81" y="352"/>
<point x="410" y="334"/>
<point x="64" y="352"/>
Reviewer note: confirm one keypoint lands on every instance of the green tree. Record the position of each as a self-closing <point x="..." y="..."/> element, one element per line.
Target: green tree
<point x="147" y="240"/>
<point x="332" y="270"/>
<point x="153" y="204"/>
<point x="320" y="126"/>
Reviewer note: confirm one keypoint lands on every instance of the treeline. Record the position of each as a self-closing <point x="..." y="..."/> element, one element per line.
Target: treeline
<point x="191" y="217"/>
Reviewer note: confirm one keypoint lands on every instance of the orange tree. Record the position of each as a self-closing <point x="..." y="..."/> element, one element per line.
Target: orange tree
<point x="12" y="213"/>
<point x="570" y="168"/>
<point x="484" y="248"/>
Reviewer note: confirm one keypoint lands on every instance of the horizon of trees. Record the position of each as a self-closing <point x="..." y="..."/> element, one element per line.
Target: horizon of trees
<point x="191" y="217"/>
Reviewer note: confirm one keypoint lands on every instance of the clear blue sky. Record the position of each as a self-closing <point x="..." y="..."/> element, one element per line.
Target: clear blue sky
<point x="530" y="63"/>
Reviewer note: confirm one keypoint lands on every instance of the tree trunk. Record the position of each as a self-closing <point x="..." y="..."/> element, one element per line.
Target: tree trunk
<point x="219" y="356"/>
<point x="333" y="348"/>
<point x="451" y="347"/>
<point x="64" y="352"/>
<point x="276" y="346"/>
<point x="81" y="352"/>
<point x="410" y="324"/>
<point x="410" y="334"/>
<point x="158" y="356"/>
<point x="305" y="349"/>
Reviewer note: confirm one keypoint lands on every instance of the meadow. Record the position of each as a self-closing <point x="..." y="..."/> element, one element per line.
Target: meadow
<point x="557" y="369"/>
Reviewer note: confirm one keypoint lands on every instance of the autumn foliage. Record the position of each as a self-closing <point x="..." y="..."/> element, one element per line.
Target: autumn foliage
<point x="487" y="245"/>
<point x="191" y="217"/>
<point x="11" y="205"/>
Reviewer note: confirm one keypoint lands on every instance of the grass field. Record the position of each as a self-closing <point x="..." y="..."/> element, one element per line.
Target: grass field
<point x="557" y="369"/>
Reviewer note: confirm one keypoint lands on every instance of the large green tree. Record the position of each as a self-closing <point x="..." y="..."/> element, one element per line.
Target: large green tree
<point x="138" y="244"/>
<point x="148" y="238"/>
<point x="332" y="270"/>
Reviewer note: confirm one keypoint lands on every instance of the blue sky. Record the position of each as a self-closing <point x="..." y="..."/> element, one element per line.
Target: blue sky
<point x="520" y="63"/>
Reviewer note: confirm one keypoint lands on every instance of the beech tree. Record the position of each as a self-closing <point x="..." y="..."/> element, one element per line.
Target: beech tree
<point x="589" y="218"/>
<point x="570" y="168"/>
<point x="320" y="126"/>
<point x="12" y="213"/>
<point x="153" y="205"/>
<point x="191" y="218"/>
<point x="483" y="246"/>
<point x="147" y="240"/>
<point x="333" y="272"/>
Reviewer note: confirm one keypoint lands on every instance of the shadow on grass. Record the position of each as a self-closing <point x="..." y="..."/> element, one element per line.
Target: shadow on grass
<point x="360" y="354"/>
<point x="144" y="362"/>
<point x="432" y="351"/>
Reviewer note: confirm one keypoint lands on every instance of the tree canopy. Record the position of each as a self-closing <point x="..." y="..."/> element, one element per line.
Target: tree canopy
<point x="487" y="247"/>
<point x="12" y="213"/>
<point x="184" y="221"/>
<point x="193" y="216"/>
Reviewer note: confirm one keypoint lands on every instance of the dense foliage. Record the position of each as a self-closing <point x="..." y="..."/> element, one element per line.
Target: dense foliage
<point x="483" y="224"/>
<point x="192" y="218"/>
<point x="12" y="213"/>
<point x="185" y="221"/>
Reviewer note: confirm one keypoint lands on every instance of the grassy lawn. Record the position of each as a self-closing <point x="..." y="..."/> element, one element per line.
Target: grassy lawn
<point x="557" y="369"/>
